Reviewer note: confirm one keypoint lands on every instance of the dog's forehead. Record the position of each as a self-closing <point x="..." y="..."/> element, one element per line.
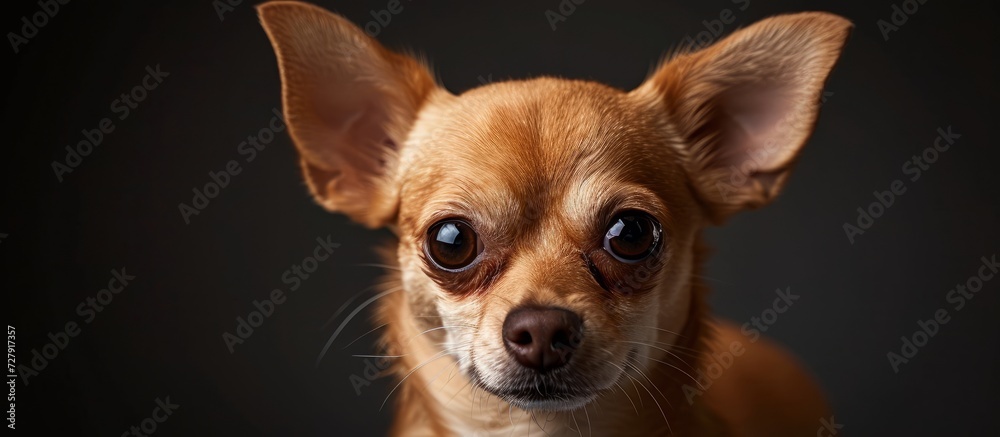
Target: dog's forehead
<point x="555" y="120"/>
<point x="512" y="144"/>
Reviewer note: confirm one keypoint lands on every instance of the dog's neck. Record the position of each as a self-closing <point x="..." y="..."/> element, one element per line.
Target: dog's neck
<point x="435" y="398"/>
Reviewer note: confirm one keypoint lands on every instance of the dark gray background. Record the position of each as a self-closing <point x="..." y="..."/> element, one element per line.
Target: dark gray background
<point x="162" y="336"/>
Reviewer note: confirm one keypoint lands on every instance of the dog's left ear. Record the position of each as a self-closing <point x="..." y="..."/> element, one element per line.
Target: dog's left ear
<point x="745" y="106"/>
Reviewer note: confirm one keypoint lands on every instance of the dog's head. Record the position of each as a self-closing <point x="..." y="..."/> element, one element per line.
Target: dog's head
<point x="549" y="225"/>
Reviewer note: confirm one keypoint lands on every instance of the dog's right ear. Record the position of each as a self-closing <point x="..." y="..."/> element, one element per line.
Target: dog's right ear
<point x="349" y="104"/>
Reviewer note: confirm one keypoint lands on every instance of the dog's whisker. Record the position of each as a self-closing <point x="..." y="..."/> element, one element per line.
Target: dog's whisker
<point x="452" y="373"/>
<point x="428" y="361"/>
<point x="689" y="352"/>
<point x="540" y="426"/>
<point x="499" y="406"/>
<point x="680" y="354"/>
<point x="590" y="426"/>
<point x="650" y="381"/>
<point x="351" y="300"/>
<point x="362" y="335"/>
<point x="350" y="317"/>
<point x="697" y="352"/>
<point x="624" y="372"/>
<point x="627" y="397"/>
<point x="436" y="328"/>
<point x="664" y="350"/>
<point x="436" y="376"/>
<point x="658" y="329"/>
<point x="467" y="384"/>
<point x="676" y="368"/>
<point x="483" y="399"/>
<point x="344" y="306"/>
<point x="577" y="424"/>
<point x="384" y="266"/>
<point x="634" y="366"/>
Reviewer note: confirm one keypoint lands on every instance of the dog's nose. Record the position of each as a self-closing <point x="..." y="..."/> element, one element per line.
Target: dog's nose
<point x="542" y="338"/>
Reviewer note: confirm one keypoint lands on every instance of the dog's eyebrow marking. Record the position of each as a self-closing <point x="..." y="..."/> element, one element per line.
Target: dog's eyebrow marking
<point x="591" y="202"/>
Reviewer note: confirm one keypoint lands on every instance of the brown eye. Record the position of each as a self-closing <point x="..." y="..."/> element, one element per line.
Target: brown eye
<point x="453" y="245"/>
<point x="632" y="236"/>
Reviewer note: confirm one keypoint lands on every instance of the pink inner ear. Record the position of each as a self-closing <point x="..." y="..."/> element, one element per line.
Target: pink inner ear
<point x="354" y="138"/>
<point x="761" y="129"/>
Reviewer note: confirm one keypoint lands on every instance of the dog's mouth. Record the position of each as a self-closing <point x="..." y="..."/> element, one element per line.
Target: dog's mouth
<point x="562" y="400"/>
<point x="557" y="391"/>
<point x="540" y="394"/>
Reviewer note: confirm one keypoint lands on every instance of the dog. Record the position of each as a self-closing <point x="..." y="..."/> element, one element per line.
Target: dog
<point x="547" y="271"/>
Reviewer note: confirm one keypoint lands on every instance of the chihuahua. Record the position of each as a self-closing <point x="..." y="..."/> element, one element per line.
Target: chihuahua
<point x="546" y="272"/>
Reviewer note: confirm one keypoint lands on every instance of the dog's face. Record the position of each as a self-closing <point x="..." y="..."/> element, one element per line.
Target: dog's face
<point x="551" y="223"/>
<point x="547" y="227"/>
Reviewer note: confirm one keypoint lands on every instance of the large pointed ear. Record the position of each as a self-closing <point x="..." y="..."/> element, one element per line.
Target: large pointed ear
<point x="745" y="106"/>
<point x="349" y="105"/>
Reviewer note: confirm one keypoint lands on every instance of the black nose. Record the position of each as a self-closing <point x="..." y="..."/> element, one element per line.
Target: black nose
<point x="542" y="338"/>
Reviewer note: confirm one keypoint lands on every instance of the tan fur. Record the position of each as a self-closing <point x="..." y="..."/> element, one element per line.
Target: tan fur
<point x="538" y="168"/>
